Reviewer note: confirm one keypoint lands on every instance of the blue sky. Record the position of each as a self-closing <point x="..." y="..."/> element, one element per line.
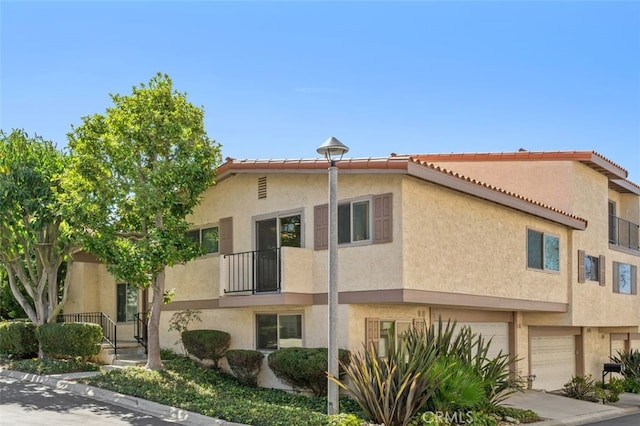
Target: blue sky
<point x="277" y="78"/>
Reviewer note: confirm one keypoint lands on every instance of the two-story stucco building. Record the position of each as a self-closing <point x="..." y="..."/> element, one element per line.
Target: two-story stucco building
<point x="538" y="250"/>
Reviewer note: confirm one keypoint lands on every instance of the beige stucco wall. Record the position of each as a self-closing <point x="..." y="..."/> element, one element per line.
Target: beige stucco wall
<point x="461" y="244"/>
<point x="529" y="178"/>
<point x="361" y="267"/>
<point x="597" y="347"/>
<point x="195" y="280"/>
<point x="595" y="305"/>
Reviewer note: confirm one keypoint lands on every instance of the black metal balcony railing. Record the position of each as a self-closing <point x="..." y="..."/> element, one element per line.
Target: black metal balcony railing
<point x="624" y="233"/>
<point x="109" y="328"/>
<point x="141" y="333"/>
<point x="255" y="271"/>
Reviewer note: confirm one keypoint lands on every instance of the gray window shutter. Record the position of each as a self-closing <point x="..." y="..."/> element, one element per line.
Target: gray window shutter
<point x="226" y="235"/>
<point x="581" y="269"/>
<point x="616" y="278"/>
<point x="373" y="332"/>
<point x="634" y="279"/>
<point x="382" y="215"/>
<point x="602" y="271"/>
<point x="321" y="227"/>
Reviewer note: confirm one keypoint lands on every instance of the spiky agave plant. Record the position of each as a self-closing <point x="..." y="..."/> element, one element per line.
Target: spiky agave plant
<point x="631" y="361"/>
<point x="392" y="390"/>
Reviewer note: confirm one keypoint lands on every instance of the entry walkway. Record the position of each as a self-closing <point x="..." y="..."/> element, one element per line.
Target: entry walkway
<point x="561" y="410"/>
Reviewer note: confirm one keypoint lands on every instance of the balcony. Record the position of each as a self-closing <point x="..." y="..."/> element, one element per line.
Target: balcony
<point x="623" y="233"/>
<point x="285" y="272"/>
<point x="253" y="272"/>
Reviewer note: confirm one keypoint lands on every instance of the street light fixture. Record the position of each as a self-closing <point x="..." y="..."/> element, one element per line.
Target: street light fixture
<point x="333" y="150"/>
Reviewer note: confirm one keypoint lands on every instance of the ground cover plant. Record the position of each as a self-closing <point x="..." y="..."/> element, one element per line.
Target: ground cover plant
<point x="186" y="385"/>
<point x="45" y="366"/>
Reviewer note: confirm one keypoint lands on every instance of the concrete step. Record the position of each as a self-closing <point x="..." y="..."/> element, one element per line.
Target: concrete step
<point x="128" y="362"/>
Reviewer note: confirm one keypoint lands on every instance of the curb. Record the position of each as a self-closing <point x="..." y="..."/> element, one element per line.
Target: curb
<point x="164" y="412"/>
<point x="588" y="418"/>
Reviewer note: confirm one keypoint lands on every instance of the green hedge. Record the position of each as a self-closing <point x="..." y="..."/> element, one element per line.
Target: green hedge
<point x="206" y="344"/>
<point x="18" y="338"/>
<point x="304" y="368"/>
<point x="245" y="364"/>
<point x="70" y="339"/>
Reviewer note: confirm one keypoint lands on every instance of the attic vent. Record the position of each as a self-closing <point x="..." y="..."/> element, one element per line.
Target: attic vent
<point x="262" y="187"/>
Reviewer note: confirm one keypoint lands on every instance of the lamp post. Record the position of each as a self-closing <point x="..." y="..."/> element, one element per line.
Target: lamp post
<point x="333" y="150"/>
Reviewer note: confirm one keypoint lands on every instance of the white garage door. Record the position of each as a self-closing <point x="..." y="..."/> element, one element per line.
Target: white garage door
<point x="617" y="345"/>
<point x="498" y="332"/>
<point x="553" y="361"/>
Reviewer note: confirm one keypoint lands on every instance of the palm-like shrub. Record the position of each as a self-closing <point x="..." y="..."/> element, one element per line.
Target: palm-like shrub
<point x="462" y="389"/>
<point x="473" y="350"/>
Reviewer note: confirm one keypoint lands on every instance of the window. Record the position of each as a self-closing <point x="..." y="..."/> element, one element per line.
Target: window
<point x="543" y="251"/>
<point x="127" y="302"/>
<point x="625" y="279"/>
<point x="379" y="333"/>
<point x="613" y="223"/>
<point x="276" y="331"/>
<point x="353" y="222"/>
<point x="208" y="238"/>
<point x="366" y="220"/>
<point x="386" y="335"/>
<point x="591" y="268"/>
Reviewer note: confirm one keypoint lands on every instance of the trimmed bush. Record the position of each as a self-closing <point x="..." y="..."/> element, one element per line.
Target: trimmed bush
<point x="70" y="339"/>
<point x="206" y="344"/>
<point x="18" y="338"/>
<point x="245" y="364"/>
<point x="304" y="368"/>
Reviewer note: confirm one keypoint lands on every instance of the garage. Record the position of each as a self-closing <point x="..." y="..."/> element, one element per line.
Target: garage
<point x="634" y="342"/>
<point x="498" y="332"/>
<point x="553" y="361"/>
<point x="617" y="345"/>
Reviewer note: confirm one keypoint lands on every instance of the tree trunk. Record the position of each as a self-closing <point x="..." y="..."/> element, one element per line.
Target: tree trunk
<point x="153" y="343"/>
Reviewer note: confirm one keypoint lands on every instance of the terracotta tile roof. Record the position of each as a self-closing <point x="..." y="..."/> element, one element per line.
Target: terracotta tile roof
<point x="232" y="165"/>
<point x="401" y="163"/>
<point x="496" y="189"/>
<point x="592" y="159"/>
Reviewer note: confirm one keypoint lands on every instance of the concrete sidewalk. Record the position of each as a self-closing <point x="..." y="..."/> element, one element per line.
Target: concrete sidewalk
<point x="554" y="409"/>
<point x="560" y="410"/>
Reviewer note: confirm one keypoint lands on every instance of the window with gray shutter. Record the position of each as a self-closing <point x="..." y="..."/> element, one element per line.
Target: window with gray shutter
<point x="373" y="332"/>
<point x="581" y="268"/>
<point x="321" y="227"/>
<point x="382" y="219"/>
<point x="226" y="235"/>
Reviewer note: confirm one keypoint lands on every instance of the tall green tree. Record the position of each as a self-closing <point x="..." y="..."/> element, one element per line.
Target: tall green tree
<point x="36" y="233"/>
<point x="141" y="169"/>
